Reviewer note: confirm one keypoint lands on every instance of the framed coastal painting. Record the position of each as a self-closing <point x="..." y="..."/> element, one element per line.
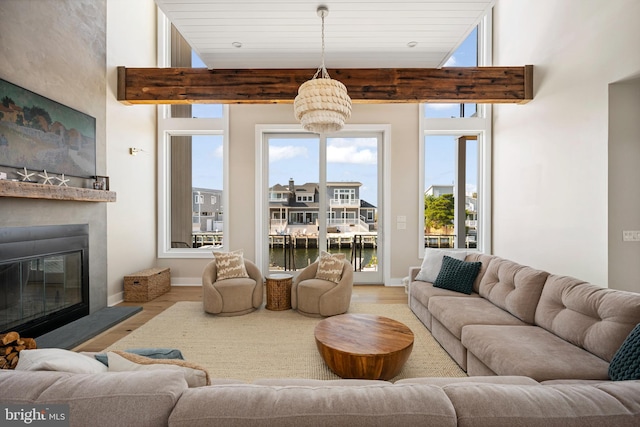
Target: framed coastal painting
<point x="40" y="134"/>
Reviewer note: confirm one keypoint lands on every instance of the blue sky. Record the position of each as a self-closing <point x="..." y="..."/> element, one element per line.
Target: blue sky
<point x="440" y="149"/>
<point x="207" y="161"/>
<point x="348" y="159"/>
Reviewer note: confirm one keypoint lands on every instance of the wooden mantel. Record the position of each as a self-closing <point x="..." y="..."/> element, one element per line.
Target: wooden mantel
<point x="41" y="191"/>
<point x="272" y="86"/>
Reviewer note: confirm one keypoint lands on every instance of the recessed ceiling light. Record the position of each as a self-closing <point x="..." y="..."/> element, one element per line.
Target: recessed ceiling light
<point x="236" y="44"/>
<point x="412" y="44"/>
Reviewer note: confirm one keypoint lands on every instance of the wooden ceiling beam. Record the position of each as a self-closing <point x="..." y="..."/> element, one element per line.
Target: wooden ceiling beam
<point x="497" y="85"/>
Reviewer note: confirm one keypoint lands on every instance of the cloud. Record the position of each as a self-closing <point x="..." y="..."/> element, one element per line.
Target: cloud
<point x="286" y="152"/>
<point x="361" y="151"/>
<point x="441" y="106"/>
<point x="451" y="62"/>
<point x="218" y="152"/>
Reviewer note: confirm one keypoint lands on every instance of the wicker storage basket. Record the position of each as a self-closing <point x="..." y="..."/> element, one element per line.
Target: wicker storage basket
<point x="279" y="292"/>
<point x="147" y="284"/>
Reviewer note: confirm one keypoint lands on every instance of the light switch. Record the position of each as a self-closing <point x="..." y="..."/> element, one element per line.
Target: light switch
<point x="402" y="218"/>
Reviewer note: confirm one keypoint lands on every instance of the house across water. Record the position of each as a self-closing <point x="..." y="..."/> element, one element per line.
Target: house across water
<point x="293" y="209"/>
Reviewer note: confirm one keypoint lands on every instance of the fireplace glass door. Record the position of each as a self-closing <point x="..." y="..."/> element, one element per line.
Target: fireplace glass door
<point x="35" y="288"/>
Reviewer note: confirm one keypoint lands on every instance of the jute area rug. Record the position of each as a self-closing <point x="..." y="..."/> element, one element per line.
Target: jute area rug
<point x="273" y="344"/>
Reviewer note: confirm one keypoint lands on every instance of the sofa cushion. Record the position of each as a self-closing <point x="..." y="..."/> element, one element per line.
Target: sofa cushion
<point x="315" y="383"/>
<point x="625" y="364"/>
<point x="423" y="291"/>
<point x="358" y="405"/>
<point x="141" y="399"/>
<point x="531" y="351"/>
<point x="237" y="293"/>
<point x="27" y="386"/>
<point x="457" y="275"/>
<point x="513" y="287"/>
<point x="492" y="379"/>
<point x="589" y="316"/>
<point x="454" y="313"/>
<point x="490" y="405"/>
<point x="485" y="260"/>
<point x="432" y="263"/>
<point x="230" y="265"/>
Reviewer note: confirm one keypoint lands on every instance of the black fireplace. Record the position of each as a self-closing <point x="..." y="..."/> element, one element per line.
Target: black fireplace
<point x="44" y="277"/>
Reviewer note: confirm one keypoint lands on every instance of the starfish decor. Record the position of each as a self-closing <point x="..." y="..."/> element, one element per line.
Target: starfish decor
<point x="46" y="178"/>
<point x="26" y="176"/>
<point x="63" y="181"/>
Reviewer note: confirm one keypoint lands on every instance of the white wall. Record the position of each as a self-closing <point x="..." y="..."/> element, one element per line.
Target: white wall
<point x="550" y="156"/>
<point x="131" y="237"/>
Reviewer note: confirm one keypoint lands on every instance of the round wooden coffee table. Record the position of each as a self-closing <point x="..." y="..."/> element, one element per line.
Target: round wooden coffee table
<point x="364" y="346"/>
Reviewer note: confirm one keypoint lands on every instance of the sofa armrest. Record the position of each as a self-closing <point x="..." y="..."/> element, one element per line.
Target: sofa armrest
<point x="413" y="272"/>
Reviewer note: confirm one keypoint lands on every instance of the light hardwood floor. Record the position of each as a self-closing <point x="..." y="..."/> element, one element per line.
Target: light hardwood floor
<point x="361" y="293"/>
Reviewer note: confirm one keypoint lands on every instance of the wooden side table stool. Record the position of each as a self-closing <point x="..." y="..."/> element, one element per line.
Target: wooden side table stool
<point x="279" y="291"/>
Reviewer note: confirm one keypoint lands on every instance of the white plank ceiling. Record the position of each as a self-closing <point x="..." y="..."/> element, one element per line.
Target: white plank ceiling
<point x="358" y="33"/>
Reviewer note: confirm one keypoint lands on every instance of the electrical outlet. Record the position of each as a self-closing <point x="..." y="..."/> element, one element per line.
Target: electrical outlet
<point x="631" y="236"/>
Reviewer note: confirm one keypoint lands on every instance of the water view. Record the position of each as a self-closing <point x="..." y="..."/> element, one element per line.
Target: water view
<point x="299" y="258"/>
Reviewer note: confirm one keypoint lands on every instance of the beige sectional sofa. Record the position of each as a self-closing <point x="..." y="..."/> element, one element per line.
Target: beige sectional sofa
<point x="536" y="346"/>
<point x="162" y="398"/>
<point x="523" y="321"/>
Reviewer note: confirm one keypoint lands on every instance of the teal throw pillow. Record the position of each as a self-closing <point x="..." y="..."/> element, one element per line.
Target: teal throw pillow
<point x="625" y="364"/>
<point x="456" y="275"/>
<point x="153" y="353"/>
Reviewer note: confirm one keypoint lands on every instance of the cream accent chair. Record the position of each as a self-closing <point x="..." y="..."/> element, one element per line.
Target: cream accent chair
<point x="232" y="297"/>
<point x="321" y="298"/>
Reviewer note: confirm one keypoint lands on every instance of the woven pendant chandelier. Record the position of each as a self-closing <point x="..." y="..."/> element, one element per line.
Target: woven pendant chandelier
<point x="322" y="104"/>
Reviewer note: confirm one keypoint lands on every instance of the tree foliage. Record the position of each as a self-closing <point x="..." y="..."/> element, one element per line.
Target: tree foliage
<point x="438" y="211"/>
<point x="31" y="116"/>
<point x="6" y="101"/>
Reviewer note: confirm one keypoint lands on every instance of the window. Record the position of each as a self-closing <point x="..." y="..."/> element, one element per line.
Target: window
<point x="450" y="191"/>
<point x="192" y="164"/>
<point x="193" y="170"/>
<point x="344" y="196"/>
<point x="465" y="56"/>
<point x="455" y="162"/>
<point x="304" y="198"/>
<point x="339" y="180"/>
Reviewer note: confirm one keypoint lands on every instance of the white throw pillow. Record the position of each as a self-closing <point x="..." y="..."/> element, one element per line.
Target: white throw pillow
<point x="230" y="265"/>
<point x="195" y="375"/>
<point x="58" y="359"/>
<point x="330" y="267"/>
<point x="432" y="263"/>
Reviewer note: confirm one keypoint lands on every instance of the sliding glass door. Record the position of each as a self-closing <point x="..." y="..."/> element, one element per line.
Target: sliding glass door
<point x="352" y="202"/>
<point x="322" y="195"/>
